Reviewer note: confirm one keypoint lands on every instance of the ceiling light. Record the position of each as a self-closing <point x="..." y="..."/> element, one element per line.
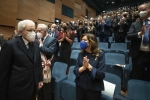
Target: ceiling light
<point x="113" y="2"/>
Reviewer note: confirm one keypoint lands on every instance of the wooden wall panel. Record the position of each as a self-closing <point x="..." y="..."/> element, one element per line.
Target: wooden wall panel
<point x="58" y="8"/>
<point x="28" y="9"/>
<point x="40" y="11"/>
<point x="77" y="12"/>
<point x="76" y="19"/>
<point x="93" y="13"/>
<point x="82" y="17"/>
<point x="8" y="12"/>
<point x="83" y="8"/>
<point x="65" y="18"/>
<point x="68" y="3"/>
<point x="78" y="1"/>
<point x="46" y="11"/>
<point x="7" y="34"/>
<point x="43" y="22"/>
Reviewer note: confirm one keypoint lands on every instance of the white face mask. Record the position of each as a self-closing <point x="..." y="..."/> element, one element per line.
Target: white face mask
<point x="31" y="36"/>
<point x="39" y="35"/>
<point x="104" y="17"/>
<point x="143" y="13"/>
<point x="52" y="29"/>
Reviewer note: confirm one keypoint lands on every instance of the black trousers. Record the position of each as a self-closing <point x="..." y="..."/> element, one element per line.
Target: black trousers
<point x="45" y="92"/>
<point x="82" y="94"/>
<point x="141" y="66"/>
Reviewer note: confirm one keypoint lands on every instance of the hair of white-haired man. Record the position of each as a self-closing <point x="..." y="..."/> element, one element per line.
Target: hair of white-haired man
<point x="43" y="26"/>
<point x="53" y="25"/>
<point x="22" y="24"/>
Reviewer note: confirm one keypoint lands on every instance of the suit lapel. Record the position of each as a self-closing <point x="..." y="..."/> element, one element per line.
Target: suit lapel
<point x="47" y="38"/>
<point x="22" y="46"/>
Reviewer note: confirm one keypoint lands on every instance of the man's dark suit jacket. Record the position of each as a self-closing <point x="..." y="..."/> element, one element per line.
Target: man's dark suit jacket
<point x="19" y="73"/>
<point x="2" y="42"/>
<point x="133" y="36"/>
<point x="106" y="27"/>
<point x="56" y="37"/>
<point x="49" y="46"/>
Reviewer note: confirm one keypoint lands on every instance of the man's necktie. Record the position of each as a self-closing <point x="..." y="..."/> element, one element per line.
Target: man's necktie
<point x="30" y="50"/>
<point x="146" y="35"/>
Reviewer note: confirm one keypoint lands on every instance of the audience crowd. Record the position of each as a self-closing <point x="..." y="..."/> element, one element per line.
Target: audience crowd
<point x="56" y="39"/>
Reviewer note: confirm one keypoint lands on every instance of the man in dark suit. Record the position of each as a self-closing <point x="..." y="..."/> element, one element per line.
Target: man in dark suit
<point x="104" y="29"/>
<point x="2" y="41"/>
<point x="140" y="45"/>
<point x="20" y="65"/>
<point x="47" y="48"/>
<point x="54" y="33"/>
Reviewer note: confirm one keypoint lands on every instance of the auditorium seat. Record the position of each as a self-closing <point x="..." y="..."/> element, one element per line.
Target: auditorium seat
<point x="58" y="75"/>
<point x="116" y="64"/>
<point x="74" y="56"/>
<point x="138" y="89"/>
<point x="68" y="87"/>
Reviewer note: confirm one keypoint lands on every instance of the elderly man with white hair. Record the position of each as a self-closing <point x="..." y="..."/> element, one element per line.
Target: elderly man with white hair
<point x="20" y="65"/>
<point x="47" y="45"/>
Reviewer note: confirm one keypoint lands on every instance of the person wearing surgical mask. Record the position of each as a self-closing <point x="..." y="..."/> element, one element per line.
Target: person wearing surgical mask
<point x="20" y="65"/>
<point x="47" y="46"/>
<point x="54" y="32"/>
<point x="140" y="44"/>
<point x="89" y="69"/>
<point x="65" y="39"/>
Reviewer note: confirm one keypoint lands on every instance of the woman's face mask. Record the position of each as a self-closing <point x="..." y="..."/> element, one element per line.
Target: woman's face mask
<point x="143" y="13"/>
<point x="83" y="45"/>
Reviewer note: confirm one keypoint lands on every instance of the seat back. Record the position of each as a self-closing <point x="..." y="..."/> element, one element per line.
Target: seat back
<point x="103" y="45"/>
<point x="118" y="46"/>
<point x="112" y="78"/>
<point x="138" y="89"/>
<point x="74" y="56"/>
<point x="115" y="58"/>
<point x="71" y="75"/>
<point x="111" y="40"/>
<point x="120" y="52"/>
<point x="59" y="70"/>
<point x="75" y="46"/>
<point x="68" y="87"/>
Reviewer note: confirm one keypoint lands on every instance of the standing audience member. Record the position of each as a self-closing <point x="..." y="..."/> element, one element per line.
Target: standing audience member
<point x="20" y="65"/>
<point x="80" y="30"/>
<point x="90" y="69"/>
<point x="123" y="27"/>
<point x="54" y="33"/>
<point x="105" y="26"/>
<point x="47" y="48"/>
<point x="65" y="38"/>
<point x="140" y="44"/>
